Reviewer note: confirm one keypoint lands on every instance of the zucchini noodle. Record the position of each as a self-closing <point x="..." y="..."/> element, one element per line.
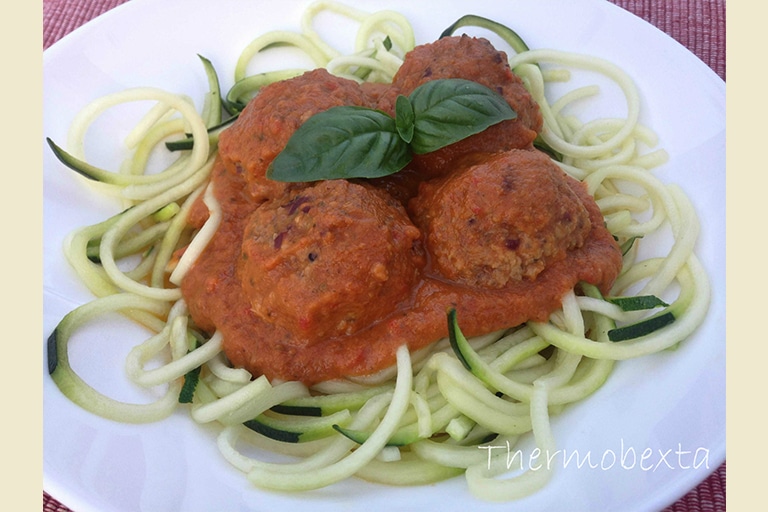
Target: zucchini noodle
<point x="432" y="415"/>
<point x="201" y="239"/>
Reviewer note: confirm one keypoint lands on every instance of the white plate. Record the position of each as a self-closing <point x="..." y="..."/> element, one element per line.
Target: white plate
<point x="672" y="403"/>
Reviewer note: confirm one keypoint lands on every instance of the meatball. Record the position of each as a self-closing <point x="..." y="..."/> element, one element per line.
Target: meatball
<point x="268" y="121"/>
<point x="328" y="260"/>
<point x="472" y="59"/>
<point x="503" y="219"/>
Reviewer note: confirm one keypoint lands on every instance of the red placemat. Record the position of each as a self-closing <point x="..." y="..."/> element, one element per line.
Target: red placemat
<point x="699" y="25"/>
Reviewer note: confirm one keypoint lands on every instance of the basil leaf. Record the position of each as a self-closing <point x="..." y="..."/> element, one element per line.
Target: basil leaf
<point x="404" y="118"/>
<point x="358" y="142"/>
<point x="449" y="110"/>
<point x="342" y="142"/>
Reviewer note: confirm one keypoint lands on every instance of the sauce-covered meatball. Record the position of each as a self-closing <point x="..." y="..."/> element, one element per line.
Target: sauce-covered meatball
<point x="505" y="218"/>
<point x="319" y="281"/>
<point x="477" y="60"/>
<point x="328" y="260"/>
<point x="269" y="119"/>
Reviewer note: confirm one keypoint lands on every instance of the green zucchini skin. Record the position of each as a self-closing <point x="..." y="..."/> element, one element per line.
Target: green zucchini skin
<point x="53" y="354"/>
<point x="213" y="136"/>
<point x="509" y="36"/>
<point x="297" y="429"/>
<point x="401" y="438"/>
<point x="643" y="327"/>
<point x="298" y="410"/>
<point x="77" y="165"/>
<point x="273" y="433"/>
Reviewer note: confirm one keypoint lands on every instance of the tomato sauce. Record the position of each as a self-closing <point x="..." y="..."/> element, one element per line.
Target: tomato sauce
<point x="318" y="281"/>
<point x="216" y="300"/>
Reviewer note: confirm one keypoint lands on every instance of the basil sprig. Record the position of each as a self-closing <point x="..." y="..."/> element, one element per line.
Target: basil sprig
<point x="359" y="142"/>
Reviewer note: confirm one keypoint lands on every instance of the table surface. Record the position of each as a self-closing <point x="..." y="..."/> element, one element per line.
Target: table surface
<point x="699" y="25"/>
